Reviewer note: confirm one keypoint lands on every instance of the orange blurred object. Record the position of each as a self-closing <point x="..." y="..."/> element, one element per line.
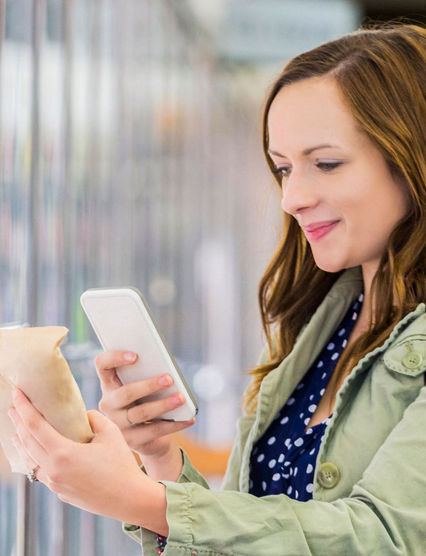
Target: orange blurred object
<point x="208" y="461"/>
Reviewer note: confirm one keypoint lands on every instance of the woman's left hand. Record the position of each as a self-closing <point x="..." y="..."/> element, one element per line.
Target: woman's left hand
<point x="102" y="476"/>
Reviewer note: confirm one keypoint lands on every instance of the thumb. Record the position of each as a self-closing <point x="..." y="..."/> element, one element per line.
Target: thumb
<point x="98" y="422"/>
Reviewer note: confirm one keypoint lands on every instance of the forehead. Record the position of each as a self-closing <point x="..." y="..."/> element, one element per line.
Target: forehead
<point x="311" y="111"/>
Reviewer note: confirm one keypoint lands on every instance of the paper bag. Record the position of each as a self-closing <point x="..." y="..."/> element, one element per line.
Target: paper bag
<point x="31" y="360"/>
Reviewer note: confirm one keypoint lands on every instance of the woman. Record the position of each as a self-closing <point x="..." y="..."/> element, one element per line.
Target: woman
<point x="329" y="457"/>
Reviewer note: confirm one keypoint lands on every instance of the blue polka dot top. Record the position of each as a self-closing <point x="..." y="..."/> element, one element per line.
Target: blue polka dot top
<point x="283" y="459"/>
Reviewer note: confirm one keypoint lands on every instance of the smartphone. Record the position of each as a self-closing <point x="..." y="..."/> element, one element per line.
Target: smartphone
<point x="122" y="320"/>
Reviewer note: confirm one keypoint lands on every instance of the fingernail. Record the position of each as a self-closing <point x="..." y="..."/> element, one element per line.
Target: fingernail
<point x="165" y="380"/>
<point x="129" y="356"/>
<point x="178" y="399"/>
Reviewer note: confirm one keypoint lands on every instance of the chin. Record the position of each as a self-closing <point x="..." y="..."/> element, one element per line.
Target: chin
<point x="330" y="266"/>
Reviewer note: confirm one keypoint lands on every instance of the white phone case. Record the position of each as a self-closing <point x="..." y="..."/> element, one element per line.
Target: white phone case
<point x="122" y="320"/>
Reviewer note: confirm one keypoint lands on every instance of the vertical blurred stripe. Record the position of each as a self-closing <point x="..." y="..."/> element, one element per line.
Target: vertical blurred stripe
<point x="28" y="526"/>
<point x="38" y="22"/>
<point x="2" y="25"/>
<point x="64" y="241"/>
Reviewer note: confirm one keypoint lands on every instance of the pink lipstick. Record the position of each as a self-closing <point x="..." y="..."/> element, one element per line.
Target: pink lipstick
<point x="314" y="232"/>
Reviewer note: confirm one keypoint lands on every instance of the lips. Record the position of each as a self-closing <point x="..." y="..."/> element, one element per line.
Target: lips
<point x="316" y="226"/>
<point x="314" y="232"/>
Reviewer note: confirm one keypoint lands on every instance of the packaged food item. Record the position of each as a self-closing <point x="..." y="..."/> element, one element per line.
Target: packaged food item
<point x="31" y="360"/>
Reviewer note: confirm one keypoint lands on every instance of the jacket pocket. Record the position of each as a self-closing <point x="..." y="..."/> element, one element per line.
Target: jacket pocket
<point x="407" y="357"/>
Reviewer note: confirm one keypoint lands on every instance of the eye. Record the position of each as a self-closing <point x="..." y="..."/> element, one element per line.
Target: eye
<point x="328" y="165"/>
<point x="283" y="171"/>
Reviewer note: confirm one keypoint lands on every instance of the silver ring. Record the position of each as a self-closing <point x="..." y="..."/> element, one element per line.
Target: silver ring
<point x="131" y="423"/>
<point x="31" y="475"/>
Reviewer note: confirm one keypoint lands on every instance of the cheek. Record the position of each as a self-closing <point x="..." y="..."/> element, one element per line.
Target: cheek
<point x="371" y="218"/>
<point x="382" y="191"/>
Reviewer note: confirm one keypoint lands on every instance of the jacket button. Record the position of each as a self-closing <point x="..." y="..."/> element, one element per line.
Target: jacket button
<point x="412" y="360"/>
<point x="328" y="475"/>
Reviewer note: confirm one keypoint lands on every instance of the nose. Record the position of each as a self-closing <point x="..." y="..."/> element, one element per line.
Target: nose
<point x="298" y="194"/>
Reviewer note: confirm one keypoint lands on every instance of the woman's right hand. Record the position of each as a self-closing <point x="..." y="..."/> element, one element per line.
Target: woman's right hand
<point x="145" y="435"/>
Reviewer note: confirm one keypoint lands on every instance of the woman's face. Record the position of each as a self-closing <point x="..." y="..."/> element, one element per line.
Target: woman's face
<point x="332" y="175"/>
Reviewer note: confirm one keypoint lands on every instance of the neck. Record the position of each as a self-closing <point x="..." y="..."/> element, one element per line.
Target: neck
<point x="368" y="272"/>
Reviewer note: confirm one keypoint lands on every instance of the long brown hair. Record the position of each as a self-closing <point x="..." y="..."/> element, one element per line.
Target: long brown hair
<point x="381" y="73"/>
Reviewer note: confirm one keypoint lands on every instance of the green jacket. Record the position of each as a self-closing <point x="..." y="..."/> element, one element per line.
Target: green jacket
<point x="369" y="494"/>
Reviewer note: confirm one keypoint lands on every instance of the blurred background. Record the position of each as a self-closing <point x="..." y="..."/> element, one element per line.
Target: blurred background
<point x="130" y="154"/>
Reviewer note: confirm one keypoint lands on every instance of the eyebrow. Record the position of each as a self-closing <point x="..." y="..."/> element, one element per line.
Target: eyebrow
<point x="307" y="151"/>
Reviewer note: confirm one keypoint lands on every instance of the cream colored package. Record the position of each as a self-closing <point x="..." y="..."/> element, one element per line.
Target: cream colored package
<point x="31" y="359"/>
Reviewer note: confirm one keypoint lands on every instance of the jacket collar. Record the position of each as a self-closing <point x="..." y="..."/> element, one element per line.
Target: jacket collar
<point x="276" y="389"/>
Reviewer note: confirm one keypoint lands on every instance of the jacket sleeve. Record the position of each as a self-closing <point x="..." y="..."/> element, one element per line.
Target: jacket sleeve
<point x="148" y="539"/>
<point x="384" y="514"/>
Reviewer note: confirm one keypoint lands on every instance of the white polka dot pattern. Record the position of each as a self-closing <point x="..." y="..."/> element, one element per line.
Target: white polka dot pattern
<point x="283" y="459"/>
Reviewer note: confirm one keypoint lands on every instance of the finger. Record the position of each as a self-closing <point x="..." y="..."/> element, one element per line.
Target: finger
<point x="28" y="444"/>
<point x="106" y="364"/>
<point x="35" y="424"/>
<point x="153" y="410"/>
<point x="130" y="393"/>
<point x="99" y="423"/>
<point x="42" y="476"/>
<point x="154" y="430"/>
<point x="29" y="462"/>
